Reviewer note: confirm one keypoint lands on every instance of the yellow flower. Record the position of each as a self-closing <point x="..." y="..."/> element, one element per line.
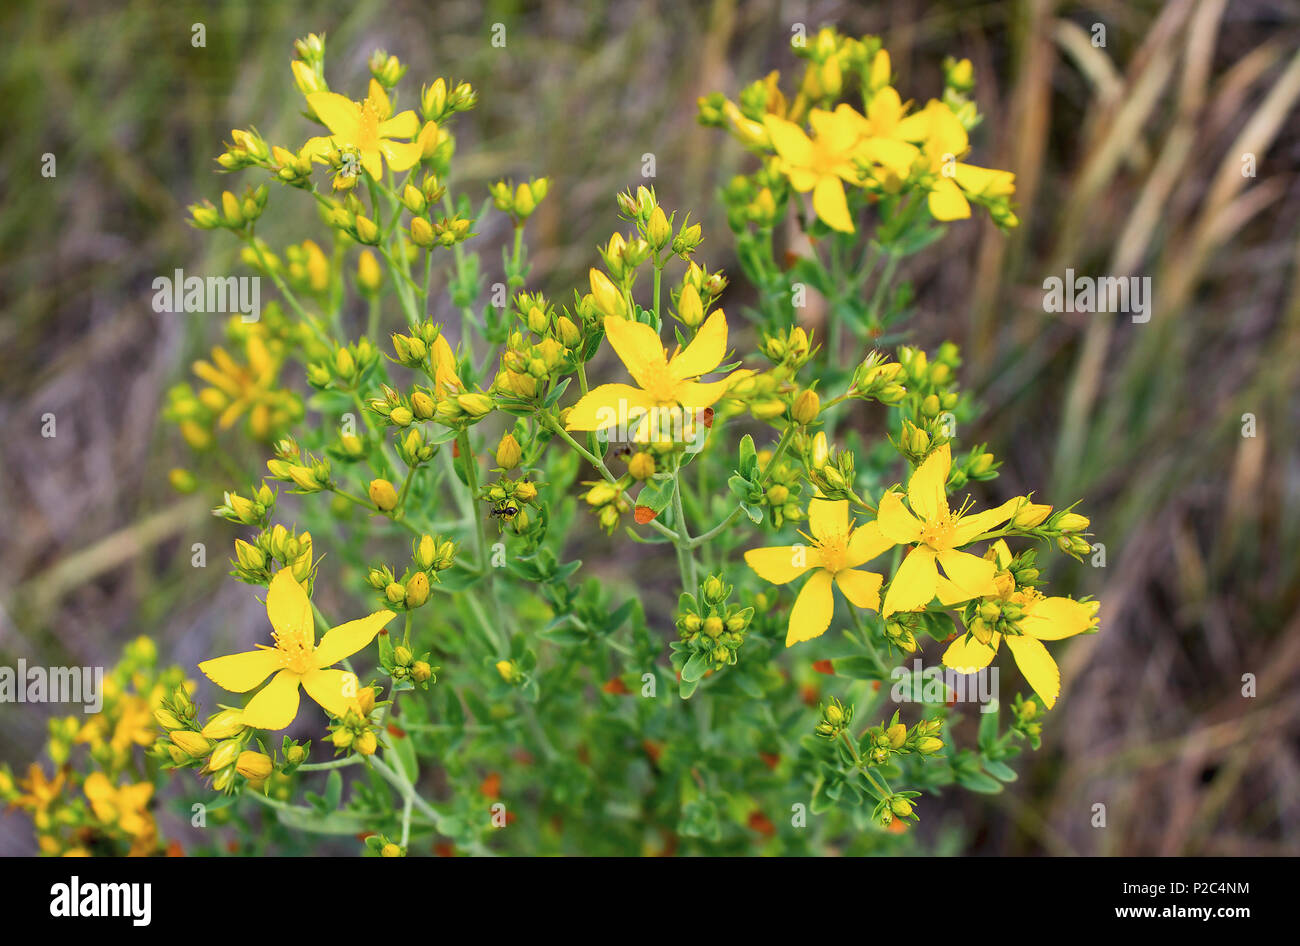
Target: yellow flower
<point x="943" y="140"/>
<point x="836" y="552"/>
<point x="1045" y="619"/>
<point x="237" y="389"/>
<point x="295" y="659"/>
<point x="938" y="533"/>
<point x="663" y="381"/>
<point x="39" y="793"/>
<point x="124" y="806"/>
<point x="842" y="143"/>
<point x="367" y="127"/>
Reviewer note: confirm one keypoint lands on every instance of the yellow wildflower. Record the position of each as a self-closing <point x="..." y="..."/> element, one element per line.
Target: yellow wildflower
<point x="238" y="389"/>
<point x="662" y="381"/>
<point x="938" y="533"/>
<point x="837" y="549"/>
<point x="367" y="127"/>
<point x="1045" y="619"/>
<point x="943" y="140"/>
<point x="124" y="806"/>
<point x="295" y="659"/>
<point x="840" y="146"/>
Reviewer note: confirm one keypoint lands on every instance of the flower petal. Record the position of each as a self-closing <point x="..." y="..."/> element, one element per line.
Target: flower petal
<point x="275" y="705"/>
<point x="1051" y="619"/>
<point x="895" y="521"/>
<point x="985" y="182"/>
<point x="831" y="204"/>
<point x="705" y="352"/>
<point x="401" y="155"/>
<point x="697" y="395"/>
<point x="946" y="201"/>
<point x="865" y="543"/>
<point x="828" y="518"/>
<point x="967" y="654"/>
<point x="970" y="573"/>
<point x="637" y="346"/>
<point x="240" y="673"/>
<point x="402" y="125"/>
<point x="927" y="489"/>
<point x="914" y="584"/>
<point x="346" y="639"/>
<point x="1037" y="665"/>
<point x="340" y="114"/>
<point x="606" y="405"/>
<point x="288" y="606"/>
<point x="968" y="527"/>
<point x="370" y="160"/>
<point x="788" y="139"/>
<point x="777" y="564"/>
<point x="812" y="610"/>
<point x="335" y="690"/>
<point x="861" y="588"/>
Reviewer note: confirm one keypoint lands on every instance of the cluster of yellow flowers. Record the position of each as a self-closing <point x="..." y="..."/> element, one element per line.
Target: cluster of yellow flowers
<point x="520" y="365"/>
<point x="97" y="801"/>
<point x="889" y="147"/>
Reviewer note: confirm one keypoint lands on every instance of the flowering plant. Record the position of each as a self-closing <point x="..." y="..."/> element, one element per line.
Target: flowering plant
<point x="481" y="689"/>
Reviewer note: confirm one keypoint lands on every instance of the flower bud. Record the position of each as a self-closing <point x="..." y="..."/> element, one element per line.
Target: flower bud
<point x="254" y="765"/>
<point x="508" y="452"/>
<point x="383" y="495"/>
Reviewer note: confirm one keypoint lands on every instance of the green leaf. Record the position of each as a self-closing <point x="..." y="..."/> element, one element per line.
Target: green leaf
<point x="979" y="782"/>
<point x="695" y="668"/>
<point x="1000" y="770"/>
<point x="988" y="732"/>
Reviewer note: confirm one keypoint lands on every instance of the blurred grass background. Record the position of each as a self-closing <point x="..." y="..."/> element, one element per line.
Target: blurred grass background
<point x="1129" y="161"/>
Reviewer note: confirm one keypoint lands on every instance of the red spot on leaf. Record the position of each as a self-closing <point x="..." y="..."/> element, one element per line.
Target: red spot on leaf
<point x="824" y="666"/>
<point x="643" y="514"/>
<point x="396" y="731"/>
<point x="616" y="686"/>
<point x="770" y="759"/>
<point x="491" y="786"/>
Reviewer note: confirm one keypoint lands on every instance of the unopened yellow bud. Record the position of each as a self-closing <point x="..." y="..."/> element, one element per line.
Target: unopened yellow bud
<point x="641" y="466"/>
<point x="417" y="590"/>
<point x="806" y="407"/>
<point x="508" y="452"/>
<point x="690" y="311"/>
<point x="383" y="495"/>
<point x="369" y="276"/>
<point x="224" y="725"/>
<point x="254" y="765"/>
<point x="606" y="295"/>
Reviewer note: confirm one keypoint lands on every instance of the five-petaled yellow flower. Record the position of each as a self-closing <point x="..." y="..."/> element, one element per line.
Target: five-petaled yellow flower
<point x="841" y="145"/>
<point x="943" y="140"/>
<point x="662" y="382"/>
<point x="1045" y="619"/>
<point x="367" y="127"/>
<point x="938" y="533"/>
<point x="296" y="659"/>
<point x="837" y="549"/>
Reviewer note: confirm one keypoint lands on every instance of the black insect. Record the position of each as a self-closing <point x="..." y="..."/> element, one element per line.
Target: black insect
<point x="504" y="512"/>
